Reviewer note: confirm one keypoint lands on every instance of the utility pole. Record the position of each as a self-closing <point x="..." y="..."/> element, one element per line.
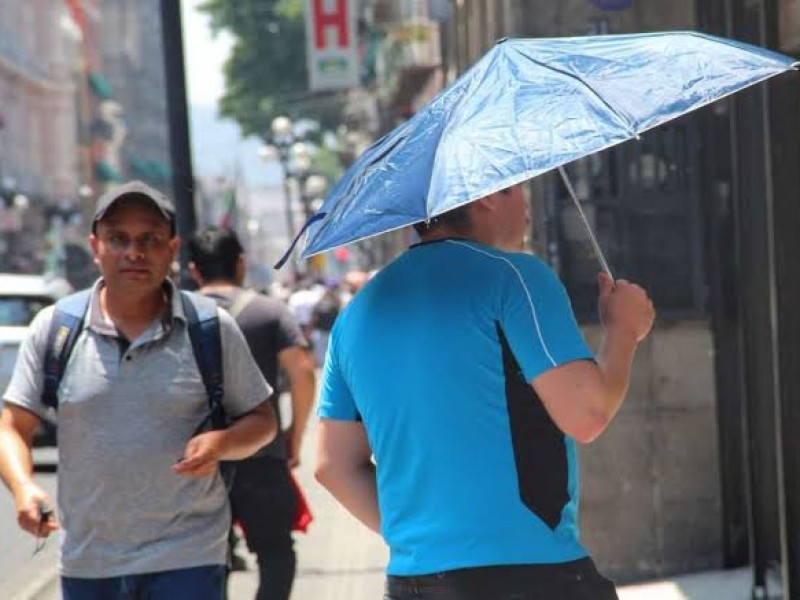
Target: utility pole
<point x="177" y="107"/>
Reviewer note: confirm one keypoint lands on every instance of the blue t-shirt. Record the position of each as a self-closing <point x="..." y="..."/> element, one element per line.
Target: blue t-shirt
<point x="436" y="355"/>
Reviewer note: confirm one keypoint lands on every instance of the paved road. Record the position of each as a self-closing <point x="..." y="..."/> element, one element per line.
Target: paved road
<point x="20" y="571"/>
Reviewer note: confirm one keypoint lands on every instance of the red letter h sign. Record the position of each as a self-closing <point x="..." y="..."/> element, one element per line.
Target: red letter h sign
<point x="323" y="20"/>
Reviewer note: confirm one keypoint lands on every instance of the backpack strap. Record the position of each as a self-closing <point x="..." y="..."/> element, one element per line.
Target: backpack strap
<point x="204" y="333"/>
<point x="65" y="326"/>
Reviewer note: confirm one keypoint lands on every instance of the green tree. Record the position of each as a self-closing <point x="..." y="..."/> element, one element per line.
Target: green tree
<point x="266" y="73"/>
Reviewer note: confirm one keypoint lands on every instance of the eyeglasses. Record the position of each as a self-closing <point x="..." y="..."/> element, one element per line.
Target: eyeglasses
<point x="118" y="241"/>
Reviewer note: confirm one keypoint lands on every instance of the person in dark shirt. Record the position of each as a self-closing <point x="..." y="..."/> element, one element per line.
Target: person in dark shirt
<point x="322" y="319"/>
<point x="263" y="498"/>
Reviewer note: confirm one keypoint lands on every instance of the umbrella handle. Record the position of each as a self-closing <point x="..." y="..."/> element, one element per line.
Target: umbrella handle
<point x="597" y="250"/>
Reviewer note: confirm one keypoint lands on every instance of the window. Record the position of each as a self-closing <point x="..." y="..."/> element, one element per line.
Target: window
<point x="642" y="200"/>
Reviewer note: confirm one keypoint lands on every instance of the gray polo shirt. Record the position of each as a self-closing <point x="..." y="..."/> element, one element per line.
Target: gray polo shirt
<point x="125" y="415"/>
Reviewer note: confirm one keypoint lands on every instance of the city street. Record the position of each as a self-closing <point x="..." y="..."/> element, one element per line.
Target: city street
<point x="312" y="151"/>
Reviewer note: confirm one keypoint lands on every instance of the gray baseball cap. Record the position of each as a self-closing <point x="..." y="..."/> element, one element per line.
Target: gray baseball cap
<point x="134" y="190"/>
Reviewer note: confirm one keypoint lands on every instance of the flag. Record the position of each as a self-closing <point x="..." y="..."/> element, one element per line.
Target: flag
<point x="78" y="14"/>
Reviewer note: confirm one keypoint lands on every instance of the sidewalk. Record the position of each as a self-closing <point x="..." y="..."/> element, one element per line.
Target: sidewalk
<point x="338" y="559"/>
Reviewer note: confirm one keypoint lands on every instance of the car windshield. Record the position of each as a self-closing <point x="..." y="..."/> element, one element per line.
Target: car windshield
<point x="18" y="311"/>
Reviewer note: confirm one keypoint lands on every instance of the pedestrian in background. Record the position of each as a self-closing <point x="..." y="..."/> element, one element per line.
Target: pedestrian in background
<point x="136" y="522"/>
<point x="322" y="319"/>
<point x="456" y="385"/>
<point x="302" y="301"/>
<point x="263" y="498"/>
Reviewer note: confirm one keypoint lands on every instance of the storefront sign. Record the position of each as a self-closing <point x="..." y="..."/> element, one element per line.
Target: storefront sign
<point x="331" y="44"/>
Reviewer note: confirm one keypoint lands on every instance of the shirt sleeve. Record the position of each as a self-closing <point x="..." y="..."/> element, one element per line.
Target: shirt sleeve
<point x="537" y="318"/>
<point x="288" y="333"/>
<point x="335" y="399"/>
<point x="27" y="380"/>
<point x="245" y="386"/>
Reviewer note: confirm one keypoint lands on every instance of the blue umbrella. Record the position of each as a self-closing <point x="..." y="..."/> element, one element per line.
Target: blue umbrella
<point x="526" y="107"/>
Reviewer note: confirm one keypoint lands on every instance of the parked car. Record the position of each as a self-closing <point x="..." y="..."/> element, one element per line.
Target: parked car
<point x="21" y="297"/>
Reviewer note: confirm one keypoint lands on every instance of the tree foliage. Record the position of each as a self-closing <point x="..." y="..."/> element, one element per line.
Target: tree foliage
<point x="266" y="74"/>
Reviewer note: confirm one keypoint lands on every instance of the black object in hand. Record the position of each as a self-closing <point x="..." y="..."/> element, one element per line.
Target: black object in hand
<point x="45" y="511"/>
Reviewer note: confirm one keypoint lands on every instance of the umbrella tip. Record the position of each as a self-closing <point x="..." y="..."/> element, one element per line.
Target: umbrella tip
<point x="501" y="40"/>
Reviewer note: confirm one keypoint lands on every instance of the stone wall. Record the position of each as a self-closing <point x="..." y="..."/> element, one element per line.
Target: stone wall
<point x="650" y="485"/>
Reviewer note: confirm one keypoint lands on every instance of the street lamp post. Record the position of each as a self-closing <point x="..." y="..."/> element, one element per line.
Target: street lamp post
<point x="282" y="138"/>
<point x="285" y="145"/>
<point x="314" y="188"/>
<point x="279" y="141"/>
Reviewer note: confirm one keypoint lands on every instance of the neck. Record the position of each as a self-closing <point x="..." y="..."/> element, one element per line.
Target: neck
<point x="127" y="307"/>
<point x="219" y="285"/>
<point x="443" y="233"/>
<point x="473" y="235"/>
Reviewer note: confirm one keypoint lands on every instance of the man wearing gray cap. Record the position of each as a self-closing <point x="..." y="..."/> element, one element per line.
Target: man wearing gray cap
<point x="142" y="505"/>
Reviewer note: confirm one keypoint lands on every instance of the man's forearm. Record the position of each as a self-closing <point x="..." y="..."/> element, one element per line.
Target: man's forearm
<point x="615" y="361"/>
<point x="250" y="433"/>
<point x="355" y="489"/>
<point x="16" y="463"/>
<point x="302" y="388"/>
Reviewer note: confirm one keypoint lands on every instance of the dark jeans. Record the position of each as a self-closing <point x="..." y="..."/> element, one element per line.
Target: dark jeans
<point x="264" y="502"/>
<point x="197" y="583"/>
<point x="578" y="580"/>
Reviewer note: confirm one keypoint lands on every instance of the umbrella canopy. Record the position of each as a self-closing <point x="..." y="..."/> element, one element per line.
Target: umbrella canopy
<point x="526" y="107"/>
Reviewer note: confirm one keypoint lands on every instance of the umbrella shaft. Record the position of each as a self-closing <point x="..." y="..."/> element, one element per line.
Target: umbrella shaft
<point x="597" y="250"/>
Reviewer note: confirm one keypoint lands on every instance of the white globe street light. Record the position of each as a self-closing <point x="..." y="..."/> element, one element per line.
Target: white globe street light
<point x="21" y="202"/>
<point x="268" y="153"/>
<point x="315" y="186"/>
<point x="300" y="149"/>
<point x="281" y="127"/>
<point x="302" y="164"/>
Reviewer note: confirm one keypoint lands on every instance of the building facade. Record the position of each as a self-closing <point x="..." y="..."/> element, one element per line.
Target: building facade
<point x="38" y="136"/>
<point x="39" y="150"/>
<point x="132" y="61"/>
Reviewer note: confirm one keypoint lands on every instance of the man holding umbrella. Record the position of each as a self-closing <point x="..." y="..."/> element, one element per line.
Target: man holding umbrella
<point x="461" y="370"/>
<point x="457" y="382"/>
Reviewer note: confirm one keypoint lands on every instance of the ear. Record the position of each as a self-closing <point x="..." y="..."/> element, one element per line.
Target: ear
<point x="487" y="203"/>
<point x="175" y="245"/>
<point x="93" y="244"/>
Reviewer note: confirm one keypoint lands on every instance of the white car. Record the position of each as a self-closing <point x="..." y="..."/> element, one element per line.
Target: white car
<point x="21" y="297"/>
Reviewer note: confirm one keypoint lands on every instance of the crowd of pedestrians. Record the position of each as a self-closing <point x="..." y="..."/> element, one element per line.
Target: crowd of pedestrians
<point x="455" y="384"/>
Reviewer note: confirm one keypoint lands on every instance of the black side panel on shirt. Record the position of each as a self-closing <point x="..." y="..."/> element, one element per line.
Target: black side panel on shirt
<point x="540" y="451"/>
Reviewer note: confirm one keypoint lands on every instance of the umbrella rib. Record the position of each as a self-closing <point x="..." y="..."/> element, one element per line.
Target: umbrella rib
<point x="620" y="116"/>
